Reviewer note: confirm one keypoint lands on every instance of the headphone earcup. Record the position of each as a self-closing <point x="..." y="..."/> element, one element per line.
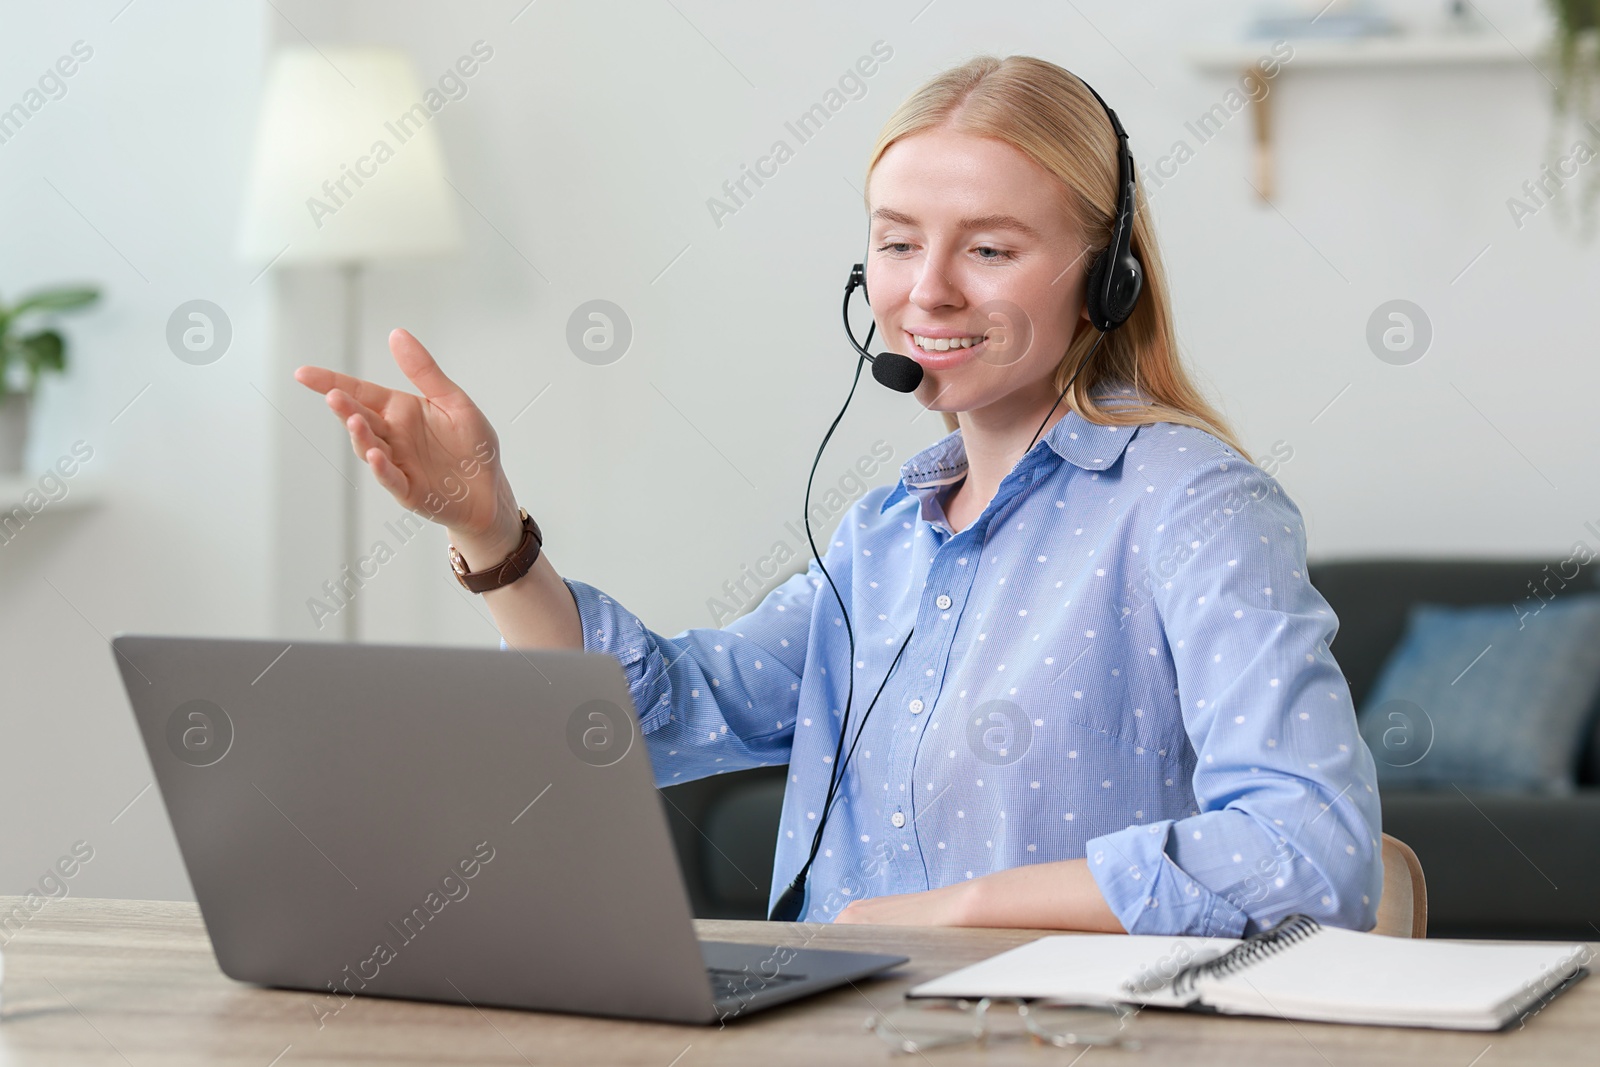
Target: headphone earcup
<point x="1093" y="286"/>
<point x="1110" y="301"/>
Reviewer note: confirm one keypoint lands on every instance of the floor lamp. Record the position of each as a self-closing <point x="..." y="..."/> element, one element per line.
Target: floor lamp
<point x="346" y="171"/>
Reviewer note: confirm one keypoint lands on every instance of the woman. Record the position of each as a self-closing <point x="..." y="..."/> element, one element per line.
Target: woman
<point x="1103" y="694"/>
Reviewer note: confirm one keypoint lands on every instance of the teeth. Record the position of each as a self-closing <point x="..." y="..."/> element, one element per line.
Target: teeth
<point x="943" y="344"/>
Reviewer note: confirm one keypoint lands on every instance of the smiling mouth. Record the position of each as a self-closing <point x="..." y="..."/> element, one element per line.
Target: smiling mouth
<point x="945" y="344"/>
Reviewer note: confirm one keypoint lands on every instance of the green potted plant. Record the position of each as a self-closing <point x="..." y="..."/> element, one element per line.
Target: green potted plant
<point x="1576" y="50"/>
<point x="25" y="356"/>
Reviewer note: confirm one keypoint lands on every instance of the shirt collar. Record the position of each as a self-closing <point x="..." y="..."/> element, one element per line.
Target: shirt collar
<point x="1092" y="446"/>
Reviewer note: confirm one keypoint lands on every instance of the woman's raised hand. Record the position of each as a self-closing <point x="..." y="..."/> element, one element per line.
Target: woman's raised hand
<point x="435" y="453"/>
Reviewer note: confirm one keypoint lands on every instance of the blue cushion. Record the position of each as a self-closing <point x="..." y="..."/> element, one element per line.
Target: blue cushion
<point x="1484" y="697"/>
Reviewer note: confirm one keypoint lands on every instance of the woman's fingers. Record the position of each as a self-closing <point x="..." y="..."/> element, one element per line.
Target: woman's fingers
<point x="344" y="405"/>
<point x="321" y="379"/>
<point x="362" y="439"/>
<point x="417" y="365"/>
<point x="405" y="440"/>
<point x="367" y="428"/>
<point x="389" y="476"/>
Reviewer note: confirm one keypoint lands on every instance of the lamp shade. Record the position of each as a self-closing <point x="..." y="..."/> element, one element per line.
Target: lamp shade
<point x="347" y="165"/>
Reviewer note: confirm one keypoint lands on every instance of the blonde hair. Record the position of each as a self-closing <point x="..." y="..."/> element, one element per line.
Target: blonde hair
<point x="1050" y="116"/>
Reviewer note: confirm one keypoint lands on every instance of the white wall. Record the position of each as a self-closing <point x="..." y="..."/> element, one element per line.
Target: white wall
<point x="590" y="143"/>
<point x="145" y="153"/>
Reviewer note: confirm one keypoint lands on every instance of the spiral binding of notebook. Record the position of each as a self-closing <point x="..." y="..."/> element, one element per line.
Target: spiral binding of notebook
<point x="1262" y="943"/>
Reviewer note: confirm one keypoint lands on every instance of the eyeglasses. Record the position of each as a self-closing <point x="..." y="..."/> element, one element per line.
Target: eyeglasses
<point x="920" y="1025"/>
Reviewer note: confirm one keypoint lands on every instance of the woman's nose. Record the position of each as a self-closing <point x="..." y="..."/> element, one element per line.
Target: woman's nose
<point x="934" y="289"/>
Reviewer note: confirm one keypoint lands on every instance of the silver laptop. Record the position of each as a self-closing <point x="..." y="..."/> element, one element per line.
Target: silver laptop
<point x="474" y="826"/>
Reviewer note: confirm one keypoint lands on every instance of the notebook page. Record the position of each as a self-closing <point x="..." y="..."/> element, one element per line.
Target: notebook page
<point x="1340" y="975"/>
<point x="1083" y="968"/>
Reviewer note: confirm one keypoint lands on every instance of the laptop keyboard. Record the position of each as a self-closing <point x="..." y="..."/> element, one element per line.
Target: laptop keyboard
<point x="727" y="982"/>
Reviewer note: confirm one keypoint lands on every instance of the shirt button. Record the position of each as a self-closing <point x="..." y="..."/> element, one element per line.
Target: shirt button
<point x="943" y="601"/>
<point x="916" y="707"/>
<point x="898" y="818"/>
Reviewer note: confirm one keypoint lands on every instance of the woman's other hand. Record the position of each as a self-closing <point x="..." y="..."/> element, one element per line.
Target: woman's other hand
<point x="946" y="906"/>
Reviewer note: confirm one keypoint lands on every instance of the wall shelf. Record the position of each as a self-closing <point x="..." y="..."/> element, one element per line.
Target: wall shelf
<point x="1390" y="50"/>
<point x="1358" y="54"/>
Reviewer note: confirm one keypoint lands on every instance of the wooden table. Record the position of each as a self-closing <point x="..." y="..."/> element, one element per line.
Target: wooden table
<point x="134" y="982"/>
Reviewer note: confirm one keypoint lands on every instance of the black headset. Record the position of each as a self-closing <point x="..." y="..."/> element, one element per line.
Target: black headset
<point x="1116" y="278"/>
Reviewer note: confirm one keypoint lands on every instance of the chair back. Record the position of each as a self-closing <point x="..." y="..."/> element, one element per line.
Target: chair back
<point x="1403" y="908"/>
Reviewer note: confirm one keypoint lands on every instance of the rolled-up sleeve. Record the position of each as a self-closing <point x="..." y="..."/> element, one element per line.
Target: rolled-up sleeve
<point x="1289" y="817"/>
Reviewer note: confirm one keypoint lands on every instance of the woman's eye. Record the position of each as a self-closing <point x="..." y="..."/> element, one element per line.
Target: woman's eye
<point x="998" y="253"/>
<point x="894" y="246"/>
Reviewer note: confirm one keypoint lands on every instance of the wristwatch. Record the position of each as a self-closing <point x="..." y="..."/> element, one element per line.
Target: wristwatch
<point x="514" y="566"/>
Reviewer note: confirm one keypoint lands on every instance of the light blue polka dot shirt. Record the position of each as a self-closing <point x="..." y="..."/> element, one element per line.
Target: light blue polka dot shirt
<point x="1121" y="659"/>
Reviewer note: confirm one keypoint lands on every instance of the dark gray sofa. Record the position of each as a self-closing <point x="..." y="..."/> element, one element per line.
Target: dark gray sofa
<point x="1497" y="865"/>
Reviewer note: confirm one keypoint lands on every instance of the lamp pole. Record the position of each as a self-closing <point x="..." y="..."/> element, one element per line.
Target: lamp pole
<point x="322" y="107"/>
<point x="350" y="272"/>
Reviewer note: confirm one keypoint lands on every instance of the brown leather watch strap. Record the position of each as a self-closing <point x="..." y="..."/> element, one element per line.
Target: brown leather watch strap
<point x="514" y="566"/>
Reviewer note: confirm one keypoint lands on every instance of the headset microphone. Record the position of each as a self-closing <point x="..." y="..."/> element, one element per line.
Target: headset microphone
<point x="900" y="373"/>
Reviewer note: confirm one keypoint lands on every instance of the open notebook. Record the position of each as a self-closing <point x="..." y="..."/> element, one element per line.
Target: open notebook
<point x="1296" y="969"/>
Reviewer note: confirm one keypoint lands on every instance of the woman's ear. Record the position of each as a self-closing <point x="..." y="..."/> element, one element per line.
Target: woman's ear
<point x="1081" y="323"/>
